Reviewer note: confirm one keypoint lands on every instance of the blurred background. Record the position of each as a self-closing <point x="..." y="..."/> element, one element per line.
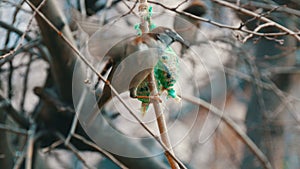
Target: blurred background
<point x="239" y="62"/>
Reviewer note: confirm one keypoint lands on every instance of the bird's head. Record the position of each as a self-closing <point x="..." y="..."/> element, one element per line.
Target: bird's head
<point x="167" y="36"/>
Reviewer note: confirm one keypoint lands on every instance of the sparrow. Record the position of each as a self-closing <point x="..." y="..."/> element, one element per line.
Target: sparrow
<point x="166" y="72"/>
<point x="159" y="40"/>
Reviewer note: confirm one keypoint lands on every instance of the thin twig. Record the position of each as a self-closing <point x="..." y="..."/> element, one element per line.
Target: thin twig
<point x="161" y="122"/>
<point x="17" y="6"/>
<point x="75" y="120"/>
<point x="250" y="144"/>
<point x="283" y="8"/>
<point x="261" y="14"/>
<point x="181" y="3"/>
<point x="49" y="97"/>
<point x="102" y="151"/>
<point x="220" y="25"/>
<point x="30" y="147"/>
<point x="14" y="29"/>
<point x="9" y="80"/>
<point x="27" y="47"/>
<point x="127" y="13"/>
<point x="248" y="12"/>
<point x="256" y="30"/>
<point x="21" y="65"/>
<point x="281" y="70"/>
<point x="25" y="83"/>
<point x="20" y="160"/>
<point x="13" y="21"/>
<point x="13" y="129"/>
<point x="52" y="146"/>
<point x="16" y="116"/>
<point x="130" y="8"/>
<point x="74" y="150"/>
<point x="24" y="34"/>
<point x="113" y="90"/>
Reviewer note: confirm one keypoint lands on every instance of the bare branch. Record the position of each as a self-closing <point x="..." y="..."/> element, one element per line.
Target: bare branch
<point x="74" y="150"/>
<point x="23" y="35"/>
<point x="281" y="70"/>
<point x="30" y="146"/>
<point x="245" y="11"/>
<point x="283" y="8"/>
<point x="102" y="151"/>
<point x="181" y="3"/>
<point x="49" y="97"/>
<point x="21" y="65"/>
<point x="14" y="29"/>
<point x="13" y="129"/>
<point x="20" y="160"/>
<point x="161" y="122"/>
<point x="52" y="146"/>
<point x="25" y="83"/>
<point x="256" y="30"/>
<point x="220" y="25"/>
<point x="17" y="6"/>
<point x="9" y="80"/>
<point x="75" y="120"/>
<point x="18" y="117"/>
<point x="27" y="47"/>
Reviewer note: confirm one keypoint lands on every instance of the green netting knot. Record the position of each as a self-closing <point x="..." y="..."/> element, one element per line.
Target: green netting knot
<point x="152" y="26"/>
<point x="150" y="11"/>
<point x="172" y="93"/>
<point x="137" y="27"/>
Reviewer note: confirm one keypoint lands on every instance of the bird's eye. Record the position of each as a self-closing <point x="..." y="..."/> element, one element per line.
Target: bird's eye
<point x="158" y="36"/>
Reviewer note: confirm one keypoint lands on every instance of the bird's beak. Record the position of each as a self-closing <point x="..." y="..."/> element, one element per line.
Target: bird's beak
<point x="182" y="41"/>
<point x="176" y="37"/>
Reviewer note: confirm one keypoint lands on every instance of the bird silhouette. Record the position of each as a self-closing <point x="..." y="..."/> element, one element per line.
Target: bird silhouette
<point x="157" y="42"/>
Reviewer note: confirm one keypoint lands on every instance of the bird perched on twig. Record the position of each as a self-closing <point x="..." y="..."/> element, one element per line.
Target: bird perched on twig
<point x="159" y="40"/>
<point x="166" y="72"/>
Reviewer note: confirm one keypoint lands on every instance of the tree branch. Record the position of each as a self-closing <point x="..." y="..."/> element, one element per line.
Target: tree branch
<point x="283" y="8"/>
<point x="14" y="29"/>
<point x="18" y="117"/>
<point x="13" y="129"/>
<point x="102" y="151"/>
<point x="220" y="25"/>
<point x="245" y="11"/>
<point x="74" y="150"/>
<point x="30" y="147"/>
<point x="161" y="122"/>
